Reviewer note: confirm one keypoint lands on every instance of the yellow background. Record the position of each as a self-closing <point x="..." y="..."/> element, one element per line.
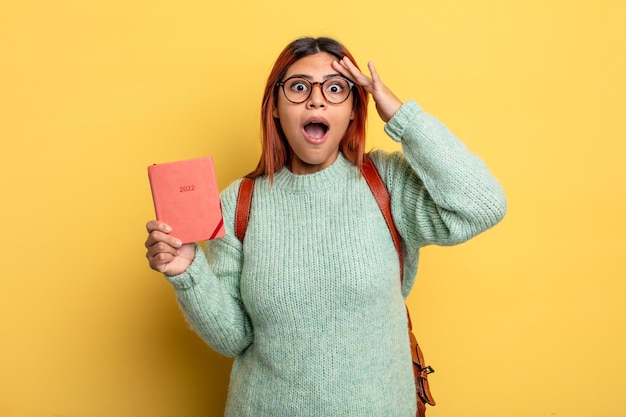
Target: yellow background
<point x="526" y="320"/>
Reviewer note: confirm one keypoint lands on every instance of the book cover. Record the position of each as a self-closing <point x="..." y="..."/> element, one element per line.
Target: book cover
<point x="186" y="197"/>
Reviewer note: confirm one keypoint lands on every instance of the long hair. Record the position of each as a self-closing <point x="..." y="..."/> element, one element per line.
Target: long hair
<point x="275" y="152"/>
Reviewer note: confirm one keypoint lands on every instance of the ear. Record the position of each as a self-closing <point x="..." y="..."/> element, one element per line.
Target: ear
<point x="352" y="113"/>
<point x="275" y="113"/>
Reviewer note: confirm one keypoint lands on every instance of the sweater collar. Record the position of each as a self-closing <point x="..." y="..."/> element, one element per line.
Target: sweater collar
<point x="330" y="176"/>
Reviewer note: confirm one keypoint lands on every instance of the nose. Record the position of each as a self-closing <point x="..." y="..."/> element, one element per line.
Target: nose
<point x="316" y="99"/>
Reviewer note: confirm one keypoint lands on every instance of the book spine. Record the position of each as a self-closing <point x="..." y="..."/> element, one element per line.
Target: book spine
<point x="152" y="191"/>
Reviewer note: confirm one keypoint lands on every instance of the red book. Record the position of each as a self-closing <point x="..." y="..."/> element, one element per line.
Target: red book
<point x="186" y="197"/>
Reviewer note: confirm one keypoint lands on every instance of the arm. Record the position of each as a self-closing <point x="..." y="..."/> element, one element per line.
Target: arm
<point x="208" y="294"/>
<point x="441" y="193"/>
<point x="207" y="287"/>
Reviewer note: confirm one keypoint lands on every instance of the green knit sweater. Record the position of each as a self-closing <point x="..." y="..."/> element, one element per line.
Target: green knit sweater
<point x="311" y="304"/>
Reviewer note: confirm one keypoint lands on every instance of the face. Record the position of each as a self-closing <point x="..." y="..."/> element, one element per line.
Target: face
<point x="314" y="128"/>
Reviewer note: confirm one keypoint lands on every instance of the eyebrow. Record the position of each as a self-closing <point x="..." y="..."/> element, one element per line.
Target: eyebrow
<point x="309" y="77"/>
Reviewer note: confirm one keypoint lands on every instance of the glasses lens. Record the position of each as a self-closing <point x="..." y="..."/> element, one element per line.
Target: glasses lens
<point x="297" y="90"/>
<point x="336" y="90"/>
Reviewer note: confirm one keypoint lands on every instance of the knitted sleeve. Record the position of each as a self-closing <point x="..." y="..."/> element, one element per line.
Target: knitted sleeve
<point x="208" y="292"/>
<point x="441" y="193"/>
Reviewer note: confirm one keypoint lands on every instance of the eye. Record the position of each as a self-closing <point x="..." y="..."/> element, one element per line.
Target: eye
<point x="336" y="86"/>
<point x="298" y="86"/>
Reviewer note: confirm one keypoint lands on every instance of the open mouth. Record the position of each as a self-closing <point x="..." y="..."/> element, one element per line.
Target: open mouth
<point x="316" y="130"/>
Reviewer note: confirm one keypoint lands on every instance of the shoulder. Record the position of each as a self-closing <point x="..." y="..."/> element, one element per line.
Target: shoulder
<point x="390" y="165"/>
<point x="228" y="199"/>
<point x="228" y="196"/>
<point x="231" y="190"/>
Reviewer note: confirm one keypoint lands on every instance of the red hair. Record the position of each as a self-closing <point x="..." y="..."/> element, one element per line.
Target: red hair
<point x="275" y="152"/>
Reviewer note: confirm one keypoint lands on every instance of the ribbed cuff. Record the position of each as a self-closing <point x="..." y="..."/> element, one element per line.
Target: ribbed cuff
<point x="398" y="123"/>
<point x="192" y="274"/>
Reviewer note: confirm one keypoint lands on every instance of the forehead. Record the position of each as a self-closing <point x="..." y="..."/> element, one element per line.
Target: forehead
<point x="317" y="65"/>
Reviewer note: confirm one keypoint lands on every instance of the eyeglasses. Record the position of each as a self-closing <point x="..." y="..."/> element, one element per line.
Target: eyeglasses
<point x="335" y="90"/>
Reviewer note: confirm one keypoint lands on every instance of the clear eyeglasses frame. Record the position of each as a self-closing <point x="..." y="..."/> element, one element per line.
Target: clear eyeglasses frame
<point x="297" y="89"/>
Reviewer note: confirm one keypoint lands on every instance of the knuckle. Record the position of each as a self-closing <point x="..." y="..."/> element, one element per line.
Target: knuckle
<point x="156" y="262"/>
<point x="161" y="247"/>
<point x="161" y="258"/>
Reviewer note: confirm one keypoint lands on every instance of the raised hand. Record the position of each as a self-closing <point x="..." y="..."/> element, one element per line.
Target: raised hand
<point x="386" y="101"/>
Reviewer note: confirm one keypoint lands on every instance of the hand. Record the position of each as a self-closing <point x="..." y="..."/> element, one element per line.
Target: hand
<point x="387" y="103"/>
<point x="166" y="254"/>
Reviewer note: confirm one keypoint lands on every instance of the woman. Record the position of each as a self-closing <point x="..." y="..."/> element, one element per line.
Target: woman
<point x="310" y="304"/>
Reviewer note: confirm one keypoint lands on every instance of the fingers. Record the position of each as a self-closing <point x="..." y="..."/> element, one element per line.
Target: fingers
<point x="386" y="102"/>
<point x="160" y="261"/>
<point x="159" y="232"/>
<point x="373" y="72"/>
<point x="341" y="68"/>
<point x="347" y="68"/>
<point x="157" y="225"/>
<point x="165" y="253"/>
<point x="162" y="248"/>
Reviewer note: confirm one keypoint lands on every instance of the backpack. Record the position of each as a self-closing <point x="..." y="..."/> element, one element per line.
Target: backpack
<point x="383" y="199"/>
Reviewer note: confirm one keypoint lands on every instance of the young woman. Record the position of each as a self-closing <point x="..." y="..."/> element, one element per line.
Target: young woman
<point x="311" y="304"/>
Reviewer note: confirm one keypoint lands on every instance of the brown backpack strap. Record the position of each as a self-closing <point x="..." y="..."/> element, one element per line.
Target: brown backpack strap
<point x="379" y="190"/>
<point x="242" y="213"/>
<point x="420" y="369"/>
